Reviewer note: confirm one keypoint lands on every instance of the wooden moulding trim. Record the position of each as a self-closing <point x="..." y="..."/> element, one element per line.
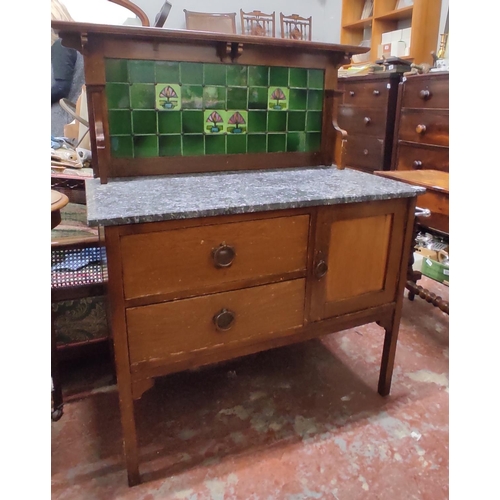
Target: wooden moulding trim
<point x="380" y="314"/>
<point x="131" y="167"/>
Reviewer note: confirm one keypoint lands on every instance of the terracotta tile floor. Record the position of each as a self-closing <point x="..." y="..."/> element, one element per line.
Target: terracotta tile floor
<point x="296" y="423"/>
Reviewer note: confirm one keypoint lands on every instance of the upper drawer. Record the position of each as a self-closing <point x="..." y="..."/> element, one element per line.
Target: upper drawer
<point x="201" y="257"/>
<point x="425" y="126"/>
<point x="180" y="329"/>
<point x="373" y="94"/>
<point x="362" y="121"/>
<point x="422" y="158"/>
<point x="426" y="93"/>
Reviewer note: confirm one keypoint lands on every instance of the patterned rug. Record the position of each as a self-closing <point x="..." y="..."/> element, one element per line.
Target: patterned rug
<point x="73" y="223"/>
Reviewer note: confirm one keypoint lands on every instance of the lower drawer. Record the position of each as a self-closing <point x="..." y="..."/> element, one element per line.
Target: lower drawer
<point x="172" y="331"/>
<point x="365" y="152"/>
<point x="422" y="158"/>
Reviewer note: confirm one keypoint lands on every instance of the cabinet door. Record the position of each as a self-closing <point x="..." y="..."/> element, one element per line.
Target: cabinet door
<point x="357" y="256"/>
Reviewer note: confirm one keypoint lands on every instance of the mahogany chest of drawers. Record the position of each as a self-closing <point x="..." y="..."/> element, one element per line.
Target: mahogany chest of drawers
<point x="367" y="112"/>
<point x="421" y="136"/>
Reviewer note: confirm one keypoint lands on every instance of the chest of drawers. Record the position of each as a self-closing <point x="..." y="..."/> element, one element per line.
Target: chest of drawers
<point x="422" y="123"/>
<point x="366" y="112"/>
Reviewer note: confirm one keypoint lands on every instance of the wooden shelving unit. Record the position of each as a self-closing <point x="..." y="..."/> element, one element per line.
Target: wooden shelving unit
<point x="422" y="17"/>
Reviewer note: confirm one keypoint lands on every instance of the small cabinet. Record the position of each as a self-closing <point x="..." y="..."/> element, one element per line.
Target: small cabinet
<point x="357" y="257"/>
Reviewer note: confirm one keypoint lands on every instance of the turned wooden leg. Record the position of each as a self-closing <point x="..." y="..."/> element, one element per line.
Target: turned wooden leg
<point x="57" y="397"/>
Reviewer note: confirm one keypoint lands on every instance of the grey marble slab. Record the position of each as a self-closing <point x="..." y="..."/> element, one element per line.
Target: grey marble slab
<point x="149" y="199"/>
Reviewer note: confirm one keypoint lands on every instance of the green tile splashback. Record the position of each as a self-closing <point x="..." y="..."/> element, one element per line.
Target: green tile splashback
<point x="167" y="108"/>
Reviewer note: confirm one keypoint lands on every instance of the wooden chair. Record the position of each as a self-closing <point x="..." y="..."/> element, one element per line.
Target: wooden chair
<point x="296" y="27"/>
<point x="257" y="23"/>
<point x="205" y="21"/>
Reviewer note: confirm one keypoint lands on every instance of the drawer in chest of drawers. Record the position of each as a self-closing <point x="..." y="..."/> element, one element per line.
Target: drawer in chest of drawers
<point x="418" y="157"/>
<point x="178" y="330"/>
<point x="426" y="92"/>
<point x="365" y="152"/>
<point x="174" y="262"/>
<point x="369" y="93"/>
<point x="425" y="126"/>
<point x="363" y="120"/>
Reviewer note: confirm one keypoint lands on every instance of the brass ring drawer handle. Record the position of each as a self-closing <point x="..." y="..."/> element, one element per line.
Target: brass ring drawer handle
<point x="420" y="129"/>
<point x="224" y="320"/>
<point x="321" y="269"/>
<point x="223" y="255"/>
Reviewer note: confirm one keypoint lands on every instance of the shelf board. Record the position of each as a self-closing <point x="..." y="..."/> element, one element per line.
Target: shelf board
<point x="361" y="23"/>
<point x="394" y="15"/>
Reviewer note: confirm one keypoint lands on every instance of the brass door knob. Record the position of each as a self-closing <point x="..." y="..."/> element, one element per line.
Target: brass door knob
<point x="321" y="269"/>
<point x="425" y="94"/>
<point x="420" y="129"/>
<point x="224" y="320"/>
<point x="223" y="255"/>
<point x="376" y="92"/>
<point x="417" y="164"/>
<point x="367" y="120"/>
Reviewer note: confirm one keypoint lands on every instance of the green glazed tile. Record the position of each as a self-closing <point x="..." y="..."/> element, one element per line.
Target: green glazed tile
<point x="214" y="122"/>
<point x="298" y="99"/>
<point x="278" y="77"/>
<point x="142" y="96"/>
<point x="170" y="145"/>
<point x="276" y="122"/>
<point x="116" y="70"/>
<point x="315" y="100"/>
<point x="191" y="73"/>
<point x="313" y="141"/>
<point x="118" y="95"/>
<point x="237" y="75"/>
<point x="236" y="144"/>
<point x="296" y="141"/>
<point x="257" y="98"/>
<point x="122" y="147"/>
<point x="257" y="121"/>
<point x="276" y="143"/>
<point x="214" y="97"/>
<point x="192" y="97"/>
<point x="278" y="98"/>
<point x="192" y="122"/>
<point x="167" y="71"/>
<point x="168" y="96"/>
<point x="237" y="122"/>
<point x="144" y="122"/>
<point x="257" y="143"/>
<point x="214" y="74"/>
<point x="145" y="146"/>
<point x="193" y="145"/>
<point x="169" y="123"/>
<point x="296" y="121"/>
<point x="298" y="77"/>
<point x="314" y="121"/>
<point x="237" y="98"/>
<point x="141" y="71"/>
<point x="119" y="122"/>
<point x="215" y="144"/>
<point x="258" y="76"/>
<point x="316" y="78"/>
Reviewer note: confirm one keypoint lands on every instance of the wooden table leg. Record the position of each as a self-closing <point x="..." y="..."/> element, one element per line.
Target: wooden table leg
<point x="388" y="355"/>
<point x="57" y="397"/>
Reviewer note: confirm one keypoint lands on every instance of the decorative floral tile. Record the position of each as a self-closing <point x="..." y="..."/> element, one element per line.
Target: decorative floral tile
<point x="237" y="121"/>
<point x="214" y="122"/>
<point x="278" y="98"/>
<point x="168" y="96"/>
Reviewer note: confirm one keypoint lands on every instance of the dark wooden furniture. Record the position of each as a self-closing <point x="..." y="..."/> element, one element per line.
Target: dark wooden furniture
<point x="256" y="23"/>
<point x="206" y="21"/>
<point x="421" y="138"/>
<point x="296" y="27"/>
<point x="135" y="9"/>
<point x="435" y="199"/>
<point x="367" y="113"/>
<point x="209" y="267"/>
<point x="58" y="201"/>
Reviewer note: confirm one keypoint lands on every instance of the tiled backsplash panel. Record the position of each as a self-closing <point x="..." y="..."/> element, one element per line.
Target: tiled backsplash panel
<point x="166" y="108"/>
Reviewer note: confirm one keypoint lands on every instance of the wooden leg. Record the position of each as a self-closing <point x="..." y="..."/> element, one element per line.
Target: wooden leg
<point x="130" y="447"/>
<point x="57" y="397"/>
<point x="388" y="355"/>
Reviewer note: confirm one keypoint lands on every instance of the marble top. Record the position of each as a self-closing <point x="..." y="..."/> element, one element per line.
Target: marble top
<point x="158" y="198"/>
